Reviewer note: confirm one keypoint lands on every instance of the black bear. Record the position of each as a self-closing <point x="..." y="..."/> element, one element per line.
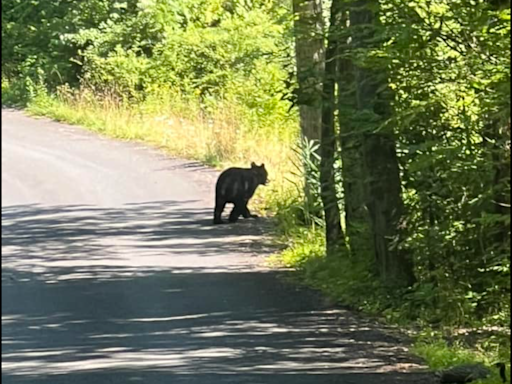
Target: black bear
<point x="237" y="186"/>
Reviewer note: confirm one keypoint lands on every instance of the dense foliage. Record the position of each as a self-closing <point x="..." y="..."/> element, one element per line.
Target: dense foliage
<point x="451" y="67"/>
<point x="435" y="79"/>
<point x="438" y="106"/>
<point x="205" y="50"/>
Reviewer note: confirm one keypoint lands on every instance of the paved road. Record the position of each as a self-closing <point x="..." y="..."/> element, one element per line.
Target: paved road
<point x="112" y="273"/>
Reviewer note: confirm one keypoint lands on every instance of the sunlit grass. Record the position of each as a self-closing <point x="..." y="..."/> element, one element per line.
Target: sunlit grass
<point x="439" y="355"/>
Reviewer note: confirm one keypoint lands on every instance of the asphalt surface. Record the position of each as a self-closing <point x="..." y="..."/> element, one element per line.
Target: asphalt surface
<point x="113" y="273"/>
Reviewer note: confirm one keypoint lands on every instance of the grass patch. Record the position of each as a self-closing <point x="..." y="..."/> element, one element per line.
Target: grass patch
<point x="439" y="355"/>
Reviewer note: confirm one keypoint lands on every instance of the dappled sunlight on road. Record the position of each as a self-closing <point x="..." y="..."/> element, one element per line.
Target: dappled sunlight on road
<point x="154" y="293"/>
<point x="257" y="341"/>
<point x="149" y="235"/>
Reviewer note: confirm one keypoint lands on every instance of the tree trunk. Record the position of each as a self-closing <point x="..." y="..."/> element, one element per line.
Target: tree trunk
<point x="310" y="53"/>
<point x="333" y="231"/>
<point x="357" y="221"/>
<point x="384" y="199"/>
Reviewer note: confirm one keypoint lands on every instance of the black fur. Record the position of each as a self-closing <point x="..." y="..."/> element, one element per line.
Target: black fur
<point x="237" y="186"/>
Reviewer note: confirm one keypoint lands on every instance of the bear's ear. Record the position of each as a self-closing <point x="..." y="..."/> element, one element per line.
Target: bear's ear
<point x="253" y="165"/>
<point x="262" y="165"/>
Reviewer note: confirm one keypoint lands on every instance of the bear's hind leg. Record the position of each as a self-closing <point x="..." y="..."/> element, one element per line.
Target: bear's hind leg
<point x="235" y="213"/>
<point x="219" y="207"/>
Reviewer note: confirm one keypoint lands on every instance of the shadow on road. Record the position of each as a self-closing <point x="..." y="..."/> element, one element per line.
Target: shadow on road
<point x="66" y="233"/>
<point x="74" y="311"/>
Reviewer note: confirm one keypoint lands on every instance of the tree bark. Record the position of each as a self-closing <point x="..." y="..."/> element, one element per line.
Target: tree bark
<point x="357" y="221"/>
<point x="310" y="55"/>
<point x="335" y="238"/>
<point x="384" y="199"/>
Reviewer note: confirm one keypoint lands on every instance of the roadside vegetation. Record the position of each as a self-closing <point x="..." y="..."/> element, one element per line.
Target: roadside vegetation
<point x="385" y="126"/>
